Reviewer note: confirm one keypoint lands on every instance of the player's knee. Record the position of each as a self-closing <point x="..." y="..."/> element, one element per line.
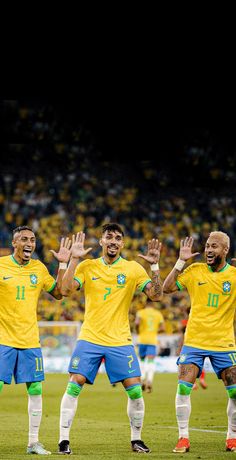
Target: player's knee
<point x="231" y="390"/>
<point x="34" y="388"/>
<point x="73" y="389"/>
<point x="184" y="388"/>
<point x="78" y="378"/>
<point x="134" y="391"/>
<point x="1" y="385"/>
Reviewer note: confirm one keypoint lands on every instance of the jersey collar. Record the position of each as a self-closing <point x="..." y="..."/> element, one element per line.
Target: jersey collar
<point x="17" y="263"/>
<point x="113" y="263"/>
<point x="222" y="269"/>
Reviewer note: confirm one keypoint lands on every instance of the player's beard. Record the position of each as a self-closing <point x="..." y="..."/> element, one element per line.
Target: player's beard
<point x="217" y="262"/>
<point x="112" y="254"/>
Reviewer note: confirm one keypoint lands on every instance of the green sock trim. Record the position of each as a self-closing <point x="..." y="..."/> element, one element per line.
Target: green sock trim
<point x="34" y="388"/>
<point x="1" y="385"/>
<point x="150" y="360"/>
<point x="231" y="393"/>
<point x="184" y="389"/>
<point x="134" y="392"/>
<point x="73" y="389"/>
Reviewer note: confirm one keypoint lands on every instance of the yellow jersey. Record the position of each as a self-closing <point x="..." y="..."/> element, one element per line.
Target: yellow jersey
<point x="213" y="301"/>
<point x="109" y="290"/>
<point x="20" y="286"/>
<point x="150" y="320"/>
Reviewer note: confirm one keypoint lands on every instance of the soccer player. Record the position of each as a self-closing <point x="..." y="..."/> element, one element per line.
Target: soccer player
<point x="109" y="285"/>
<point x="209" y="332"/>
<point x="21" y="281"/>
<point x="148" y="322"/>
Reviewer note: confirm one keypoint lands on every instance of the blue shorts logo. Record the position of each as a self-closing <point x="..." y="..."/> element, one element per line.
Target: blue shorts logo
<point x="226" y="286"/>
<point x="182" y="358"/>
<point x="121" y="279"/>
<point x="75" y="363"/>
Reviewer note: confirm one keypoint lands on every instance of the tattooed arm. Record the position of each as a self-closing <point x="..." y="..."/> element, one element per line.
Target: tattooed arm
<point x="153" y="290"/>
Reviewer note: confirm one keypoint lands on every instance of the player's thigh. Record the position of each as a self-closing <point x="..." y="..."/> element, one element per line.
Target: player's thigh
<point x="188" y="372"/>
<point x="224" y="365"/>
<point x="8" y="358"/>
<point x="190" y="363"/>
<point x="121" y="363"/>
<point x="29" y="367"/>
<point x="85" y="361"/>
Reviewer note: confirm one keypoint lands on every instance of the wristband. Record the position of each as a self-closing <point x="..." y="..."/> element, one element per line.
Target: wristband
<point x="62" y="266"/>
<point x="180" y="265"/>
<point x="154" y="267"/>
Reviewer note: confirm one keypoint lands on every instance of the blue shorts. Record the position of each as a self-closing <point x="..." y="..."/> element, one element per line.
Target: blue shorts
<point x="220" y="360"/>
<point x="25" y="364"/>
<point x="145" y="350"/>
<point x="120" y="362"/>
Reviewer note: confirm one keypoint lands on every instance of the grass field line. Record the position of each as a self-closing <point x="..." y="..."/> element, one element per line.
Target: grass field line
<point x="193" y="429"/>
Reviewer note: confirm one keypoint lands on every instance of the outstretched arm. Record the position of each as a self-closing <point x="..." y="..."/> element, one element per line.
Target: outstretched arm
<point x="69" y="284"/>
<point x="153" y="290"/>
<point x="63" y="257"/>
<point x="185" y="253"/>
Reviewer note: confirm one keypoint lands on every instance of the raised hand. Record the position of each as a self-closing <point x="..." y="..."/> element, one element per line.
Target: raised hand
<point x="185" y="251"/>
<point x="63" y="255"/>
<point x="153" y="252"/>
<point x="77" y="248"/>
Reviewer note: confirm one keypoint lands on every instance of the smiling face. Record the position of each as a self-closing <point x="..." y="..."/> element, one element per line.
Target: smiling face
<point x="216" y="250"/>
<point x="24" y="243"/>
<point x="112" y="242"/>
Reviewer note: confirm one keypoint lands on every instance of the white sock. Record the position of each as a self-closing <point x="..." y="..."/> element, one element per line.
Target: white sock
<point x="143" y="370"/>
<point x="183" y="411"/>
<point x="231" y="412"/>
<point x="135" y="411"/>
<point x="35" y="415"/>
<point x="68" y="410"/>
<point x="150" y="371"/>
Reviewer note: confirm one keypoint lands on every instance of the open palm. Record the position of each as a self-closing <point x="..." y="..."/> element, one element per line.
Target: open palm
<point x="77" y="248"/>
<point x="186" y="245"/>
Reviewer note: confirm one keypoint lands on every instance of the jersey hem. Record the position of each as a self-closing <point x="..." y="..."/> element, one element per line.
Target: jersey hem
<point x="123" y="344"/>
<point x="20" y="347"/>
<point x="223" y="349"/>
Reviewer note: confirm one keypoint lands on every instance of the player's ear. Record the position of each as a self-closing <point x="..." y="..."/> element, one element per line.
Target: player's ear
<point x="13" y="243"/>
<point x="100" y="242"/>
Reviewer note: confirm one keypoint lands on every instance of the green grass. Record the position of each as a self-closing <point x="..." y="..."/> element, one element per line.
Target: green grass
<point x="101" y="429"/>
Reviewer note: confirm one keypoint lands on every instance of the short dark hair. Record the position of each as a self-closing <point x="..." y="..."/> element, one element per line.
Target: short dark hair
<point x="22" y="227"/>
<point x="112" y="227"/>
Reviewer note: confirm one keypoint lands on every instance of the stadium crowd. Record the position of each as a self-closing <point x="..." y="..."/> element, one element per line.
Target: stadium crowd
<point x="54" y="179"/>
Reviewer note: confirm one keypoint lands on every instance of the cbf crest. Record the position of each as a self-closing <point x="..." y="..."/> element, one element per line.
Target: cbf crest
<point x="121" y="279"/>
<point x="33" y="279"/>
<point x="226" y="287"/>
<point x="75" y="362"/>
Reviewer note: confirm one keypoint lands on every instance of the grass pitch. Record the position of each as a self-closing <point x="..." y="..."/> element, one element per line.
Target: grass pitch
<point x="101" y="428"/>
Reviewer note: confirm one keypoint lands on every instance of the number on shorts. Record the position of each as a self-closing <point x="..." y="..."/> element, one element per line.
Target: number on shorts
<point x="38" y="364"/>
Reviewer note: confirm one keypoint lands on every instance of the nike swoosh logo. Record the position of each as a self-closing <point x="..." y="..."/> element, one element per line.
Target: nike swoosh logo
<point x="94" y="278"/>
<point x="130" y="372"/>
<point x="200" y="284"/>
<point x="7" y="277"/>
<point x="38" y="375"/>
